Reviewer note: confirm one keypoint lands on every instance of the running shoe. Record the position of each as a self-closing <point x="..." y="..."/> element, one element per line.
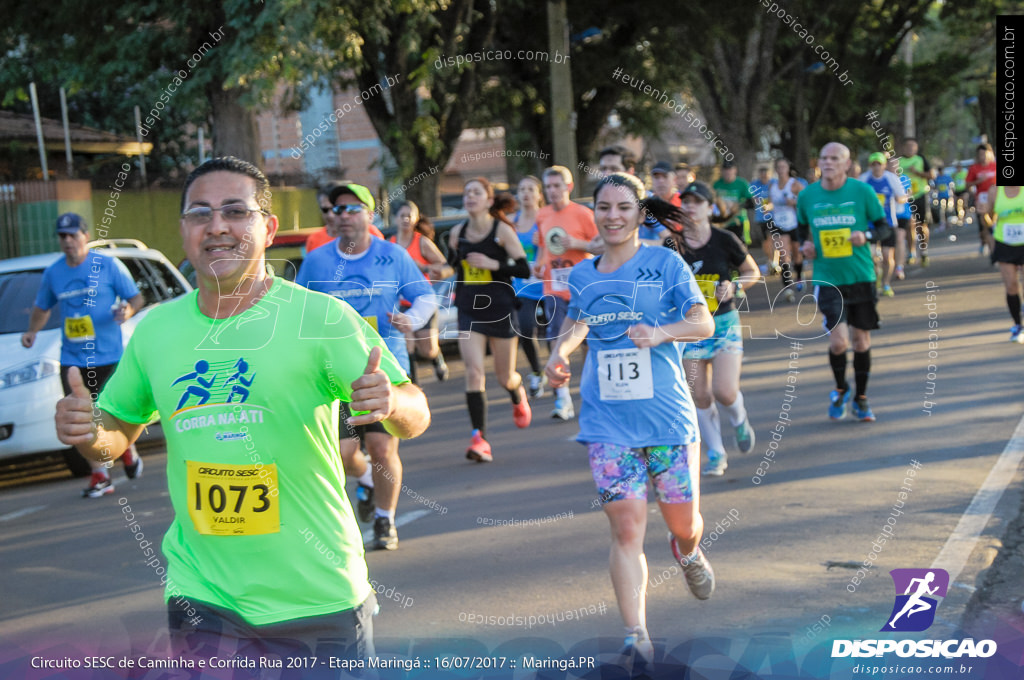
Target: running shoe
<point x="924" y="260"/>
<point x="861" y="410"/>
<point x="385" y="536"/>
<point x="1017" y="334"/>
<point x="911" y="260"/>
<point x="716" y="465"/>
<point x="440" y="367"/>
<point x="839" y="404"/>
<point x="564" y="409"/>
<point x="637" y="650"/>
<point x="700" y="577"/>
<point x="535" y="385"/>
<point x="764" y="270"/>
<point x="887" y="291"/>
<point x="788" y="295"/>
<point x="479" y="450"/>
<point x="364" y="502"/>
<point x="799" y="286"/>
<point x="99" y="485"/>
<point x="521" y="413"/>
<point x="900" y="274"/>
<point x="745" y="436"/>
<point x="132" y="470"/>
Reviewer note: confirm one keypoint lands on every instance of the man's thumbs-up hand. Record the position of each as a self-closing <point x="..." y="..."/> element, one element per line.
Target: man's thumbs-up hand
<point x="372" y="392"/>
<point x="74" y="412"/>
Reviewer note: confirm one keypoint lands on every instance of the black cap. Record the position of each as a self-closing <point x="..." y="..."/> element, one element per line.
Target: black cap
<point x="698" y="189"/>
<point x="662" y="167"/>
<point x="728" y="164"/>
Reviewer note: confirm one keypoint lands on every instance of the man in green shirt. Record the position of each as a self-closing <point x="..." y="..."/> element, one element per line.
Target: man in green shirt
<point x="735" y="193"/>
<point x="837" y="219"/>
<point x="246" y="374"/>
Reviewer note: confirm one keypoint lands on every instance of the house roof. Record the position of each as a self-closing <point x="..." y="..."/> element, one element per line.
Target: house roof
<point x="86" y="140"/>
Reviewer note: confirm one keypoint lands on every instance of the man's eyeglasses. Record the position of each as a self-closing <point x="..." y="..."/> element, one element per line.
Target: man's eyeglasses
<point x="338" y="209"/>
<point x="230" y="213"/>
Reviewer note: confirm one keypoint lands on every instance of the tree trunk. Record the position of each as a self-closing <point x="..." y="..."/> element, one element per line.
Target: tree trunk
<point x="426" y="192"/>
<point x="235" y="132"/>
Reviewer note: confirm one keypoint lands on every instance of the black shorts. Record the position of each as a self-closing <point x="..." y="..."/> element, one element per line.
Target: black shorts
<point x="347" y="431"/>
<point x="903" y="223"/>
<point x="1003" y="252"/>
<point x="922" y="209"/>
<point x="94" y="377"/>
<point x="499" y="328"/>
<point x="216" y="631"/>
<point x="891" y="241"/>
<point x="855" y="304"/>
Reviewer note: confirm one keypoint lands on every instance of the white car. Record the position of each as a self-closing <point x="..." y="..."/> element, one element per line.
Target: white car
<point x="30" y="378"/>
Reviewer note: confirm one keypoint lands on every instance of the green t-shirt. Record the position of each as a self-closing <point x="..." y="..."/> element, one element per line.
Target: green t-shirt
<point x="918" y="185"/>
<point x="832" y="216"/>
<point x="249" y="406"/>
<point x="734" y="193"/>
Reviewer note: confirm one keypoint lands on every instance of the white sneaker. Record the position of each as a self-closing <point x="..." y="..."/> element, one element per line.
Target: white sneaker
<point x="563" y="409"/>
<point x="535" y="385"/>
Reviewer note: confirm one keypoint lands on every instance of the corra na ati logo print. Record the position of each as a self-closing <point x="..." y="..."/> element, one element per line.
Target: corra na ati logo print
<point x="916" y="593"/>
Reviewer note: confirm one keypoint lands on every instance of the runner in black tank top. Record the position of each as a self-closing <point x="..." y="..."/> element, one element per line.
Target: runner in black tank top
<point x="486" y="254"/>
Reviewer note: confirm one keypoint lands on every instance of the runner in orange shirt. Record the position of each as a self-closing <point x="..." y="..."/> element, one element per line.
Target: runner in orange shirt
<point x="567" y="235"/>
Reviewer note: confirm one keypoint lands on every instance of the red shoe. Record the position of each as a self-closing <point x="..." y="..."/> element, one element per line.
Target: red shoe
<point x="479" y="450"/>
<point x="521" y="413"/>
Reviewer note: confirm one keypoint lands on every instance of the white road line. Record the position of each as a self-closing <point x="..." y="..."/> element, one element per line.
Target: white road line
<point x="961" y="542"/>
<point x="21" y="513"/>
<point x="400" y="520"/>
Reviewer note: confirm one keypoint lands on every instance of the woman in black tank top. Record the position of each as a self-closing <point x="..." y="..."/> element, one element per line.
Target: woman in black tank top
<point x="486" y="254"/>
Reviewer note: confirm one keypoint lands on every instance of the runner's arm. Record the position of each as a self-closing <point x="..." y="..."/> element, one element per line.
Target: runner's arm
<point x="697" y="325"/>
<point x="36" y="321"/>
<point x="100" y="438"/>
<point x="570" y="336"/>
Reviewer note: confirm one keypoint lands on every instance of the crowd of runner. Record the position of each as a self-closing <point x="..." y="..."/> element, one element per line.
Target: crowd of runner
<point x="650" y="280"/>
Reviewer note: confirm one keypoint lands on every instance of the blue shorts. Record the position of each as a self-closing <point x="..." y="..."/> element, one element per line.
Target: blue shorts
<point x="728" y="339"/>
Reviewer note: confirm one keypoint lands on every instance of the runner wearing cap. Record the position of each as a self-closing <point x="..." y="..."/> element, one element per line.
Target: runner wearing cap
<point x="839" y="218"/>
<point x="1007" y="214"/>
<point x="332" y="220"/>
<point x="567" y="235"/>
<point x="372" y="275"/>
<point x="95" y="294"/>
<point x="713" y="365"/>
<point x="486" y="253"/>
<point x="890" y="194"/>
<point x="635" y="305"/>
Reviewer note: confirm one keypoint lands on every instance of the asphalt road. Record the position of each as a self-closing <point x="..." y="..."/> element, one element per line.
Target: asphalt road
<point x="521" y="545"/>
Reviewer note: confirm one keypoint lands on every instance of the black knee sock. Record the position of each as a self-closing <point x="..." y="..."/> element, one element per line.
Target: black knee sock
<point x="530" y="348"/>
<point x="412" y="368"/>
<point x="787" y="274"/>
<point x="799" y="269"/>
<point x="838" y="363"/>
<point x="477" y="403"/>
<point x="861" y="371"/>
<point x="1013" y="302"/>
<point x="517" y="394"/>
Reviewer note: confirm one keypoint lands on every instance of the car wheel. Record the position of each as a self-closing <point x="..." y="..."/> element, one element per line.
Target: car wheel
<point x="76" y="463"/>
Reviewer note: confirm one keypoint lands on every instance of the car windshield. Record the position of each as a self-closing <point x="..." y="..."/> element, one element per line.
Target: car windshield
<point x="17" y="295"/>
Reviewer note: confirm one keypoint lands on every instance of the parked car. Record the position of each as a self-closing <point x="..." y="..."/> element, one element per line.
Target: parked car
<point x="30" y="378"/>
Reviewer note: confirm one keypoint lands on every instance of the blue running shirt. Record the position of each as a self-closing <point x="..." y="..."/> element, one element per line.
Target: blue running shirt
<point x="371" y="282"/>
<point x="634" y="397"/>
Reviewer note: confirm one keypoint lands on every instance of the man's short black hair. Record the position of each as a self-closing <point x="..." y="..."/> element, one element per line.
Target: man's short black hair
<point x="628" y="159"/>
<point x="235" y="165"/>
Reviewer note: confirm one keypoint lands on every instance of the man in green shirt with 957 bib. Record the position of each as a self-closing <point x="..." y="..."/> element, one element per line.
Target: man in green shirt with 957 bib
<point x="837" y="219"/>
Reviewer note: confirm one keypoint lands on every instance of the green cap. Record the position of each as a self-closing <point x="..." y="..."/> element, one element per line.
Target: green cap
<point x="357" y="190"/>
<point x="877" y="157"/>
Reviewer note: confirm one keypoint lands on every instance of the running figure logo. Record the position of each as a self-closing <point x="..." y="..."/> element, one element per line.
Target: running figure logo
<point x="914" y="610"/>
<point x="201" y="383"/>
